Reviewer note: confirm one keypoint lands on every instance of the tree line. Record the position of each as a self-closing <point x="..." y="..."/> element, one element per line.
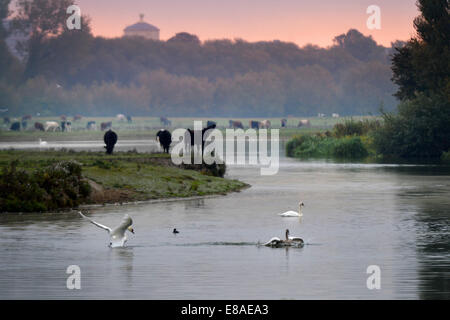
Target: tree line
<point x="73" y="72"/>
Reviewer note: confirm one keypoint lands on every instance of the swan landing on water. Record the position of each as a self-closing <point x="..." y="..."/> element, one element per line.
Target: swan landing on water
<point x="293" y="213"/>
<point x="117" y="235"/>
<point x="276" y="242"/>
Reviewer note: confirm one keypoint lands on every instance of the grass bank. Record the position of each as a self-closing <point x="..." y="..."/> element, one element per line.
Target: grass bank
<point x="51" y="180"/>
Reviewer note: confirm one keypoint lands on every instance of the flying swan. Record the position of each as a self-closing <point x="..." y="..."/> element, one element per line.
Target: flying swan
<point x="293" y="213"/>
<point x="276" y="242"/>
<point x="117" y="235"/>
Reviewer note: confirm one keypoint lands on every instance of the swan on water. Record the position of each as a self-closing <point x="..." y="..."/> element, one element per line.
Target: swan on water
<point x="42" y="143"/>
<point x="293" y="213"/>
<point x="117" y="235"/>
<point x="288" y="242"/>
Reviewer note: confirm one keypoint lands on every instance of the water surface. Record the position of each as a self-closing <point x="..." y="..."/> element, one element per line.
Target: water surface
<point x="355" y="215"/>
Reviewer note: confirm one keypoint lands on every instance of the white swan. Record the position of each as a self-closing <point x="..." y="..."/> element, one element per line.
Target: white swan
<point x="276" y="242"/>
<point x="42" y="143"/>
<point x="117" y="235"/>
<point x="293" y="213"/>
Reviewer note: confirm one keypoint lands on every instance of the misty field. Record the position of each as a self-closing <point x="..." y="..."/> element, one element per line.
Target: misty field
<point x="146" y="127"/>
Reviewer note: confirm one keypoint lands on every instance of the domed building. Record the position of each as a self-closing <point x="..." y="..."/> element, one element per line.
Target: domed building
<point x="142" y="29"/>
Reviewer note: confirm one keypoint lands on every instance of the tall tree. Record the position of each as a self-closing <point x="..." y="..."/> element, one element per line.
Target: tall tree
<point x="422" y="72"/>
<point x="423" y="64"/>
<point x="39" y="20"/>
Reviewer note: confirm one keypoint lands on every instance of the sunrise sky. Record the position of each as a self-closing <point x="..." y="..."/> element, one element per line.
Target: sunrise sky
<point x="299" y="21"/>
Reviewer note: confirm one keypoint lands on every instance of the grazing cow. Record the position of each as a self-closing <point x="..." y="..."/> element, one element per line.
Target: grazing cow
<point x="164" y="137"/>
<point x="105" y="125"/>
<point x="210" y="123"/>
<point x="129" y="120"/>
<point x="77" y="117"/>
<point x="283" y="123"/>
<point x="15" y="126"/>
<point x="26" y="117"/>
<point x="6" y="120"/>
<point x="51" y="125"/>
<point x="121" y="117"/>
<point x="39" y="126"/>
<point x="265" y="124"/>
<point x="191" y="133"/>
<point x="110" y="139"/>
<point x="91" y="125"/>
<point x="236" y="124"/>
<point x="253" y="124"/>
<point x="165" y="122"/>
<point x="63" y="117"/>
<point x="304" y="122"/>
<point x="66" y="126"/>
<point x="24" y="124"/>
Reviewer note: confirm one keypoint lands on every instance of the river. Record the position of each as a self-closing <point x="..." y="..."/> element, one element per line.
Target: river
<point x="356" y="215"/>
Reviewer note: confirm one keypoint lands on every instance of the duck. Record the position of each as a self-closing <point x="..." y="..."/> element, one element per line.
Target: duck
<point x="117" y="235"/>
<point x="175" y="231"/>
<point x="289" y="241"/>
<point x="293" y="213"/>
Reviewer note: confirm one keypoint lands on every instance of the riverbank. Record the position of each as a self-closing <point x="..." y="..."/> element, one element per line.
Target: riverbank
<point x="49" y="180"/>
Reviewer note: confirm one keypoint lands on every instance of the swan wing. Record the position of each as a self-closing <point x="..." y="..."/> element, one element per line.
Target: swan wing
<point x="272" y="241"/>
<point x="122" y="227"/>
<point x="290" y="214"/>
<point x="96" y="223"/>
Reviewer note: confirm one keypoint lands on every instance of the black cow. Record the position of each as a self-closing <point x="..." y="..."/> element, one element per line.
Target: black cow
<point x="254" y="124"/>
<point x="165" y="139"/>
<point x="190" y="133"/>
<point x="110" y="139"/>
<point x="15" y="126"/>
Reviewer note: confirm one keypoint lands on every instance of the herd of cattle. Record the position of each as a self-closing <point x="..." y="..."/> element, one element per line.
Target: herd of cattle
<point x="65" y="125"/>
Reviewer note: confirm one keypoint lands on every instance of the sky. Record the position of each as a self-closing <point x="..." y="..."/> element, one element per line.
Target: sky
<point x="299" y="21"/>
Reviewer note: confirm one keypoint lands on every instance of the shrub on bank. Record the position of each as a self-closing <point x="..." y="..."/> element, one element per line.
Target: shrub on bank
<point x="59" y="185"/>
<point x="318" y="146"/>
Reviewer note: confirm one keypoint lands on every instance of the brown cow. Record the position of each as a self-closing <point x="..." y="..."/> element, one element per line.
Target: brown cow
<point x="304" y="122"/>
<point x="105" y="125"/>
<point x="236" y="124"/>
<point x="39" y="126"/>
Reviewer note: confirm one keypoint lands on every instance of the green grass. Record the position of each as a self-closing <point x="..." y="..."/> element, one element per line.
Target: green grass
<point x="137" y="176"/>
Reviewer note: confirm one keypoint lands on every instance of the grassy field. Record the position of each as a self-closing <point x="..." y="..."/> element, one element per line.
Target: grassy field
<point x="127" y="176"/>
<point x="146" y="127"/>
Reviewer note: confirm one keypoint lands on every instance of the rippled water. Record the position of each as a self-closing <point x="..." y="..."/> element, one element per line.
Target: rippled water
<point x="355" y="215"/>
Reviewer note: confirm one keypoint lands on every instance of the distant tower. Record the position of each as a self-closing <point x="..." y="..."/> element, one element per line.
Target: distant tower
<point x="142" y="29"/>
